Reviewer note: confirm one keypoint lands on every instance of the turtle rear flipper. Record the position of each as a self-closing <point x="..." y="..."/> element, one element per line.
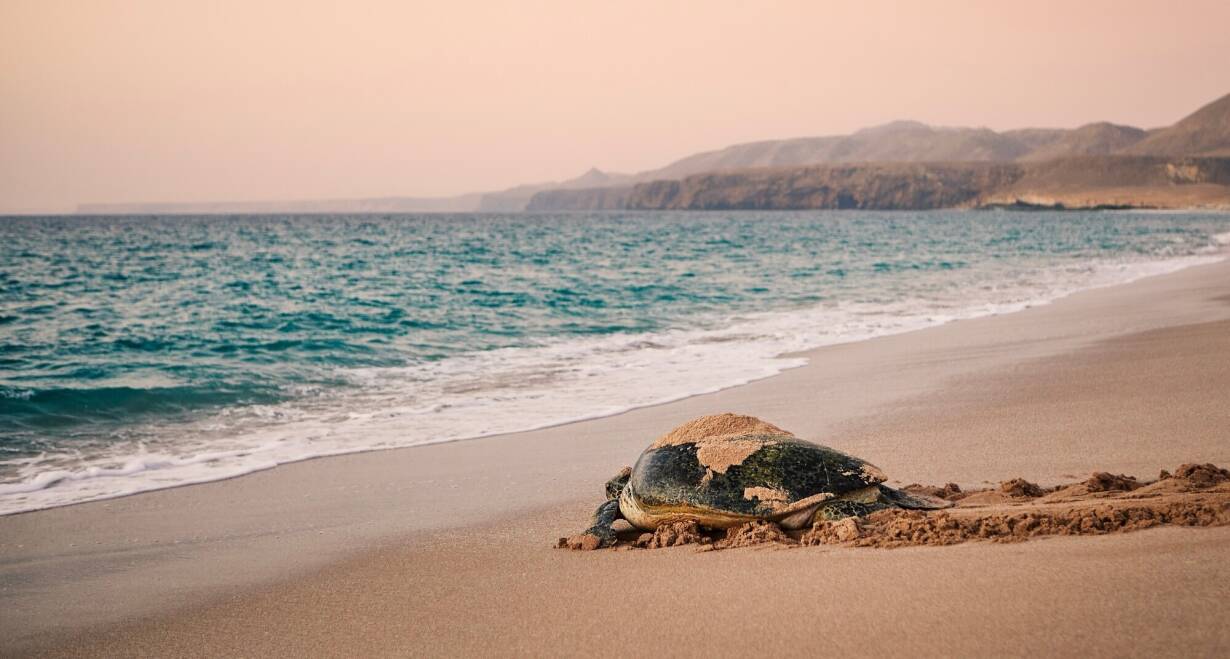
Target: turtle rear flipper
<point x="913" y="500"/>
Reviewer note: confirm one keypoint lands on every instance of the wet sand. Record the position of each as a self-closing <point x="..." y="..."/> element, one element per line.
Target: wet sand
<point x="448" y="549"/>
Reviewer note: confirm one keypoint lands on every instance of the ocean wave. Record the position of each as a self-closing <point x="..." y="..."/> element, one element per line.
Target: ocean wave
<point x="514" y="389"/>
<point x="58" y="406"/>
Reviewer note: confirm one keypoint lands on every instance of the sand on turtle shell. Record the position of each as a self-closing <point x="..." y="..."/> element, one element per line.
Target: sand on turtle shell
<point x="723" y="440"/>
<point x="717" y="454"/>
<point x="1195" y="495"/>
<point x="717" y="425"/>
<point x="769" y="498"/>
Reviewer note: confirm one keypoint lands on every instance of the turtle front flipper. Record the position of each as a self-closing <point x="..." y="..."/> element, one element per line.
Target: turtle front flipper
<point x="604" y="517"/>
<point x="600" y="534"/>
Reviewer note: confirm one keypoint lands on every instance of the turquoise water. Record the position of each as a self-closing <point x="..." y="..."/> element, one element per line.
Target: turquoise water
<point x="142" y="352"/>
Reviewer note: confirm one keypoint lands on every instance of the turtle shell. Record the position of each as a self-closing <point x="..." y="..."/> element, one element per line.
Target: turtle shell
<point x="727" y="478"/>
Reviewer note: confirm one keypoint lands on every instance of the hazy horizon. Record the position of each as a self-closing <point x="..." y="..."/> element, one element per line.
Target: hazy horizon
<point x="116" y="102"/>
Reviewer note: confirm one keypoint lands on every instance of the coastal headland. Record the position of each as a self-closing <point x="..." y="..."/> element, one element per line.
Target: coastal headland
<point x="1085" y="182"/>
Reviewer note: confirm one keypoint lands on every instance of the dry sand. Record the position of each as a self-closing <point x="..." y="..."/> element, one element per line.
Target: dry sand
<point x="448" y="549"/>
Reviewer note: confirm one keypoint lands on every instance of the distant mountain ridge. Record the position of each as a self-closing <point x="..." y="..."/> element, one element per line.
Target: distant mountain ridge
<point x="1102" y="164"/>
<point x="899" y="141"/>
<point x="1205" y="132"/>
<point x="1098" y="139"/>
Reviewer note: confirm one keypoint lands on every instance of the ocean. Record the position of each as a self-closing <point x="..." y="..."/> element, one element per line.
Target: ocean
<point x="145" y="352"/>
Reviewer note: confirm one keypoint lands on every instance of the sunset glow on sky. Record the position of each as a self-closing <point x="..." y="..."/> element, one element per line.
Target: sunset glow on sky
<point x="110" y="101"/>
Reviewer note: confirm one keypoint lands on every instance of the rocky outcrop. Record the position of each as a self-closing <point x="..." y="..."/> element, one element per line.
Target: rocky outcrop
<point x="518" y="199"/>
<point x="895" y="186"/>
<point x="590" y="199"/>
<point x="1198" y="170"/>
<point x="1118" y="182"/>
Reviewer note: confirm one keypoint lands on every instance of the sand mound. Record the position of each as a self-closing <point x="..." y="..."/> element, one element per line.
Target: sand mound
<point x="903" y="528"/>
<point x="835" y="532"/>
<point x="579" y="542"/>
<point x="1100" y="484"/>
<point x="1202" y="476"/>
<point x="717" y="425"/>
<point x="950" y="491"/>
<point x="1019" y="487"/>
<point x="672" y="535"/>
<point x="675" y="534"/>
<point x="1186" y="479"/>
<point x="1101" y="481"/>
<point x="754" y="533"/>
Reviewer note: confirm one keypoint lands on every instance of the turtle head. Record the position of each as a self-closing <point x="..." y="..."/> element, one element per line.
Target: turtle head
<point x="616" y="485"/>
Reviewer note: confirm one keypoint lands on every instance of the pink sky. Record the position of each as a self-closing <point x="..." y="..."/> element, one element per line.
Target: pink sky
<point x="104" y="101"/>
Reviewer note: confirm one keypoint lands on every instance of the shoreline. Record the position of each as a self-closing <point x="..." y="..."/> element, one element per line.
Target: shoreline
<point x="243" y="536"/>
<point x="774" y="366"/>
<point x="1196" y="208"/>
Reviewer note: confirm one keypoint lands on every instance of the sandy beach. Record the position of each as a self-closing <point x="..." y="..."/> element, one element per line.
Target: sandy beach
<point x="659" y="329"/>
<point x="449" y="549"/>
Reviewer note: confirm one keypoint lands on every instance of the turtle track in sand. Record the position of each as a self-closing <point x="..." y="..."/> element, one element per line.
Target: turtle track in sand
<point x="1017" y="510"/>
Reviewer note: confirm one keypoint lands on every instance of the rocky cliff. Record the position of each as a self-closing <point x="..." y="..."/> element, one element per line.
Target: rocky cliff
<point x="1086" y="181"/>
<point x="518" y="199"/>
<point x="1119" y="181"/>
<point x="890" y="186"/>
<point x="591" y="199"/>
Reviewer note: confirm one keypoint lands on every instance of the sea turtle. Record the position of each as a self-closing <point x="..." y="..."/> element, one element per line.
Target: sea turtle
<point x="725" y="470"/>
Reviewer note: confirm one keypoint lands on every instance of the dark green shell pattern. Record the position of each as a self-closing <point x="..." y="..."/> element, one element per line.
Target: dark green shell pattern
<point x="673" y="475"/>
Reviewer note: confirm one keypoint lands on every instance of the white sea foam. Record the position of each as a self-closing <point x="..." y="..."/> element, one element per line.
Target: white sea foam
<point x="517" y="389"/>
